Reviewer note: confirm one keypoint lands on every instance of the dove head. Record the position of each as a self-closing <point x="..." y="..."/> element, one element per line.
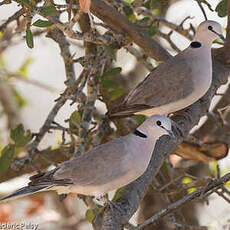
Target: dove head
<point x="157" y="126"/>
<point x="208" y="31"/>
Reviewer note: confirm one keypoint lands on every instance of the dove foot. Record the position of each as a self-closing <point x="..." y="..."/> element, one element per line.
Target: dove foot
<point x="109" y="203"/>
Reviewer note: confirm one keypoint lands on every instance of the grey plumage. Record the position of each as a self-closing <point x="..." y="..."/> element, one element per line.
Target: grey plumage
<point x="176" y="83"/>
<point x="104" y="168"/>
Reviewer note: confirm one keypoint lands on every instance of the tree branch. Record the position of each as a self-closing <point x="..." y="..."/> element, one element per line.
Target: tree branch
<point x="42" y="160"/>
<point x="59" y="37"/>
<point x="189" y="197"/>
<point x="121" y="24"/>
<point x="133" y="193"/>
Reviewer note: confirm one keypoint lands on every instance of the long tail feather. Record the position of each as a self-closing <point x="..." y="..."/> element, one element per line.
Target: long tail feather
<point x="26" y="191"/>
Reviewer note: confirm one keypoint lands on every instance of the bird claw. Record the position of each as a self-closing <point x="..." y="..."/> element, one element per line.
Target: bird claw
<point x="109" y="203"/>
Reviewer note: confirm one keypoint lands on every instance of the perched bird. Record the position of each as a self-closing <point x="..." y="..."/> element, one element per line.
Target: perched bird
<point x="176" y="83"/>
<point x="104" y="168"/>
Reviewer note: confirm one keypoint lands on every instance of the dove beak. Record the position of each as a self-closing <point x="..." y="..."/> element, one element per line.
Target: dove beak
<point x="221" y="36"/>
<point x="170" y="132"/>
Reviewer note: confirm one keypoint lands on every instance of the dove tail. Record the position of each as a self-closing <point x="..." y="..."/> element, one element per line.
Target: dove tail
<point x="26" y="191"/>
<point x="126" y="110"/>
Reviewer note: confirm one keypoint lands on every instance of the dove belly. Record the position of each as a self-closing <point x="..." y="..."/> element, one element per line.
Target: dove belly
<point x="97" y="190"/>
<point x="132" y="172"/>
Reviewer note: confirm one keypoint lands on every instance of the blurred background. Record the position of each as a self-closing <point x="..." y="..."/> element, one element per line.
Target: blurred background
<point x="43" y="79"/>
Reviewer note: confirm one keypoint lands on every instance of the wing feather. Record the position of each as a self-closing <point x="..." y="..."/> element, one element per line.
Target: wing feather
<point x="92" y="168"/>
<point x="169" y="82"/>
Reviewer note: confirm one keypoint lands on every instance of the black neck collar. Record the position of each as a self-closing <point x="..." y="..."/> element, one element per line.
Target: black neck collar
<point x="195" y="44"/>
<point x="139" y="134"/>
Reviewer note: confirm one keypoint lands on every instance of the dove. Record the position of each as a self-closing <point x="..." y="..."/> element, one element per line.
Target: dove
<point x="104" y="168"/>
<point x="176" y="83"/>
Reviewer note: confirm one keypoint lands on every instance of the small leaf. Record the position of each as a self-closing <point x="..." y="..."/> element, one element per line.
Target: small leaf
<point x="25" y="3"/>
<point x="74" y="121"/>
<point x="89" y="215"/>
<point x="85" y="5"/>
<point x="2" y="62"/>
<point x="117" y="194"/>
<point x="140" y="118"/>
<point x="6" y="155"/>
<point x="29" y="38"/>
<point x="48" y="10"/>
<point x="187" y="180"/>
<point x="129" y="13"/>
<point x="42" y="23"/>
<point x="213" y="168"/>
<point x="152" y="30"/>
<point x="114" y="89"/>
<point x="127" y="10"/>
<point x="20" y="101"/>
<point x="117" y="93"/>
<point x="19" y="136"/>
<point x="110" y="51"/>
<point x="155" y="5"/>
<point x="109" y="85"/>
<point x="221" y="8"/>
<point x="114" y="71"/>
<point x="23" y="68"/>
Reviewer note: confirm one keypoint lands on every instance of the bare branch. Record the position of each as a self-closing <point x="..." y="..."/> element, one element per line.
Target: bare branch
<point x="8" y="103"/>
<point x="133" y="193"/>
<point x="56" y="156"/>
<point x="120" y="23"/>
<point x="60" y="38"/>
<point x="15" y="16"/>
<point x="214" y="184"/>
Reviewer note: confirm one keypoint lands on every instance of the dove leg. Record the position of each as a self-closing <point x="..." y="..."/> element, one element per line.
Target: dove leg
<point x="111" y="204"/>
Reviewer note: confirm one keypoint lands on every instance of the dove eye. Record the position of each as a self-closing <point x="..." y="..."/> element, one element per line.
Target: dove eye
<point x="158" y="123"/>
<point x="210" y="27"/>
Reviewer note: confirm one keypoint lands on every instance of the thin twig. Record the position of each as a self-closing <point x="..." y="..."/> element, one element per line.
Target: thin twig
<point x="15" y="16"/>
<point x="184" y="200"/>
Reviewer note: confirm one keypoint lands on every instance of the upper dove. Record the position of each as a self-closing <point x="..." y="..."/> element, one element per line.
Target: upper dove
<point x="176" y="83"/>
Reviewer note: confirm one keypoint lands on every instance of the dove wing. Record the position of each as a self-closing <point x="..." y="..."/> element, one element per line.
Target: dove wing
<point x="169" y="82"/>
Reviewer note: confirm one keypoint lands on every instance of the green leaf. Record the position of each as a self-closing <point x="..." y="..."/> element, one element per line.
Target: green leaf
<point x="42" y="23"/>
<point x="6" y="155"/>
<point x="25" y="3"/>
<point x="20" y="101"/>
<point x="221" y="8"/>
<point x="127" y="10"/>
<point x="23" y="68"/>
<point x="2" y="61"/>
<point x="140" y="118"/>
<point x="48" y="10"/>
<point x="213" y="168"/>
<point x="74" y="121"/>
<point x="152" y="30"/>
<point x="19" y="136"/>
<point x="109" y="85"/>
<point x="29" y="38"/>
<point x="110" y="51"/>
<point x="117" y="194"/>
<point x="89" y="215"/>
<point x="114" y="89"/>
<point x="187" y="180"/>
<point x="114" y="71"/>
<point x="116" y="93"/>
